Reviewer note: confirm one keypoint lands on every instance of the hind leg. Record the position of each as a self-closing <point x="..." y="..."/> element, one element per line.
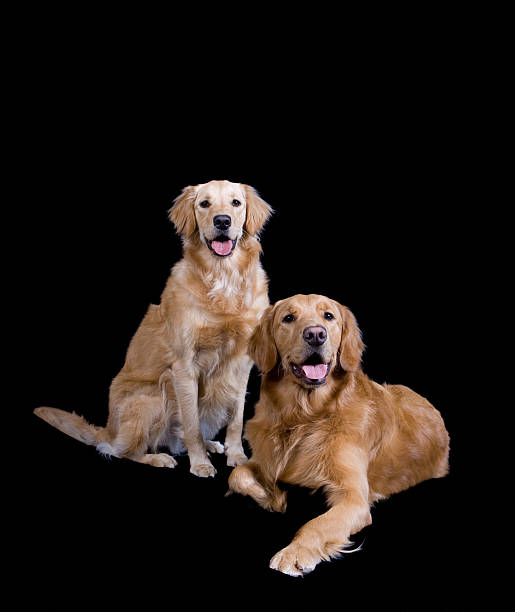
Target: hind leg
<point x="141" y="421"/>
<point x="214" y="447"/>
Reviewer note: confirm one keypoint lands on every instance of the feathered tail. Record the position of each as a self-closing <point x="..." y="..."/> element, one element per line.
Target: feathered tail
<point x="72" y="424"/>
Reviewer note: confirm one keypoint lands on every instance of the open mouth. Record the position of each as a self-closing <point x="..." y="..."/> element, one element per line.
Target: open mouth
<point x="222" y="246"/>
<point x="313" y="371"/>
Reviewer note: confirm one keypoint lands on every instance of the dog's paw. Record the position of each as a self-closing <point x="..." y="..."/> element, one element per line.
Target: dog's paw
<point x="295" y="560"/>
<point x="214" y="447"/>
<point x="235" y="456"/>
<point x="203" y="470"/>
<point x="278" y="501"/>
<point x="236" y="459"/>
<point x="162" y="460"/>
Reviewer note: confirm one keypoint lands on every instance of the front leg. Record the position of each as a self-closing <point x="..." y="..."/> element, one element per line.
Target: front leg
<point x="327" y="535"/>
<point x="185" y="384"/>
<point x="233" y="445"/>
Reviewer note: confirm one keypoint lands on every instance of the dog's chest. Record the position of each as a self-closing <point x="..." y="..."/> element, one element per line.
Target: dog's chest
<point x="221" y="341"/>
<point x="300" y="455"/>
<point x="229" y="291"/>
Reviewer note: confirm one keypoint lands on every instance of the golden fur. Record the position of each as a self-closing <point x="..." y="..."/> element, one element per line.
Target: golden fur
<point x="358" y="440"/>
<point x="187" y="366"/>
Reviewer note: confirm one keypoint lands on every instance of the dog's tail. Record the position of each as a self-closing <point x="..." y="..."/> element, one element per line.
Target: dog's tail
<point x="73" y="425"/>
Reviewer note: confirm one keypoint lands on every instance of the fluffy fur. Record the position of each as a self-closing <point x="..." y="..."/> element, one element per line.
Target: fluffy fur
<point x="187" y="366"/>
<point x="358" y="440"/>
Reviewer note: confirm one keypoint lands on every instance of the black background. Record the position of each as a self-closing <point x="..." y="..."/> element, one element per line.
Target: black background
<point x="373" y="198"/>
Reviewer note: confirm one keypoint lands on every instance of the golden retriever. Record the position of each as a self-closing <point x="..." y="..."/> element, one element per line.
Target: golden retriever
<point x="321" y="422"/>
<point x="187" y="366"/>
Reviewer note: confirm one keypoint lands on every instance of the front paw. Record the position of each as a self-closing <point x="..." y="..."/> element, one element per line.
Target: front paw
<point x="278" y="500"/>
<point x="295" y="560"/>
<point x="236" y="458"/>
<point x="235" y="454"/>
<point x="203" y="470"/>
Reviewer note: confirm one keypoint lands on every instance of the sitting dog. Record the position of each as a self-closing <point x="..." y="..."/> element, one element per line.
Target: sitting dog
<point x="187" y="366"/>
<point x="321" y="422"/>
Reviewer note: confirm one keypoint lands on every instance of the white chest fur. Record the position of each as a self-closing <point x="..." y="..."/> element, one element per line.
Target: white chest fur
<point x="229" y="283"/>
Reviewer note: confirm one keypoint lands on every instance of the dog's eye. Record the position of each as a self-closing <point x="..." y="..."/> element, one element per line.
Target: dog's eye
<point x="236" y="203"/>
<point x="289" y="318"/>
<point x="328" y="315"/>
<point x="205" y="204"/>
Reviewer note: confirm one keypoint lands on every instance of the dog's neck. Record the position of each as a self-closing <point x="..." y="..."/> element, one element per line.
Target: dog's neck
<point x="296" y="403"/>
<point x="229" y="281"/>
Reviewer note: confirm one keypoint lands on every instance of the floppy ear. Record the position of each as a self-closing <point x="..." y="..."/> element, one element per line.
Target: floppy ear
<point x="351" y="345"/>
<point x="262" y="349"/>
<point x="258" y="211"/>
<point x="182" y="214"/>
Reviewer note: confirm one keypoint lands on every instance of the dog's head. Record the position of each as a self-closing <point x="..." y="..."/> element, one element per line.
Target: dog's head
<point x="221" y="212"/>
<point x="308" y="337"/>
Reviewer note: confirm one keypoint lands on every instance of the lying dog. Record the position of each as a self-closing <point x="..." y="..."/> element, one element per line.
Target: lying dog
<point x="187" y="366"/>
<point x="321" y="422"/>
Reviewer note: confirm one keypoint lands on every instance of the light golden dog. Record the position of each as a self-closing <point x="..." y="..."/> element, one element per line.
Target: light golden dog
<point x="321" y="422"/>
<point x="187" y="366"/>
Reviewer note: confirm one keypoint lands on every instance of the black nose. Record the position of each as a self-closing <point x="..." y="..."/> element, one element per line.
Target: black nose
<point x="315" y="335"/>
<point x="222" y="222"/>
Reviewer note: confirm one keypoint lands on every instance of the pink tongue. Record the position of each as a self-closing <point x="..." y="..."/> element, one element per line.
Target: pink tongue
<point x="222" y="248"/>
<point x="315" y="371"/>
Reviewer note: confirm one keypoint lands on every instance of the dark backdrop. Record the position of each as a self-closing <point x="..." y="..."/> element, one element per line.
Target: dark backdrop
<point x="373" y="211"/>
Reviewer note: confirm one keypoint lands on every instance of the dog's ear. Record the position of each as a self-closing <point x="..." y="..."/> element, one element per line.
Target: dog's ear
<point x="262" y="349"/>
<point x="258" y="211"/>
<point x="182" y="214"/>
<point x="351" y="345"/>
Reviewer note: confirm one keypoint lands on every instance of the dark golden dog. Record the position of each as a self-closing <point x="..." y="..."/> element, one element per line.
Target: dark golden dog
<point x="321" y="422"/>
